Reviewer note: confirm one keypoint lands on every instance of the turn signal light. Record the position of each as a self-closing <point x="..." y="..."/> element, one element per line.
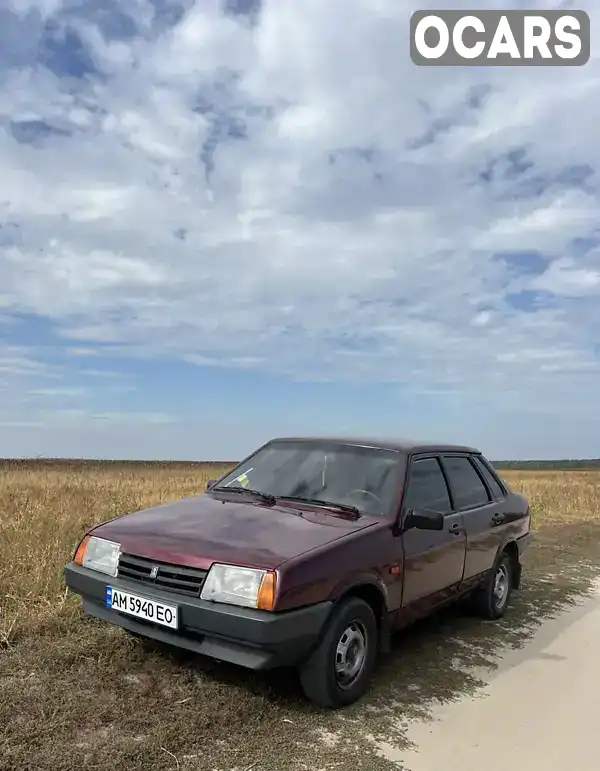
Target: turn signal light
<point x="81" y="549"/>
<point x="266" y="593"/>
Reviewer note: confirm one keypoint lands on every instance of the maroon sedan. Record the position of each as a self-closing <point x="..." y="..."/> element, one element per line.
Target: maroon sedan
<point x="309" y="554"/>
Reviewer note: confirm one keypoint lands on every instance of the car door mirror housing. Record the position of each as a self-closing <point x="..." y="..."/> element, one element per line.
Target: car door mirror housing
<point x="423" y="519"/>
<point x="210" y="483"/>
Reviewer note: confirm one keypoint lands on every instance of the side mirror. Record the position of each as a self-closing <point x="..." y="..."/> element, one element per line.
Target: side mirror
<point x="424" y="519"/>
<point x="210" y="483"/>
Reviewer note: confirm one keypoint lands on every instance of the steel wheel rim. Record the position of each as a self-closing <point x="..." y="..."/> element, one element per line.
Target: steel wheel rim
<point x="501" y="581"/>
<point x="350" y="655"/>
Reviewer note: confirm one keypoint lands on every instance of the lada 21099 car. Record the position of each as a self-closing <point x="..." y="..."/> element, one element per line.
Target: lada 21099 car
<point x="309" y="554"/>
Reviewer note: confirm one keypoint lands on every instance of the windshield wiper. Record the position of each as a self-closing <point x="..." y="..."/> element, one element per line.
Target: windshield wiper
<point x="319" y="502"/>
<point x="266" y="497"/>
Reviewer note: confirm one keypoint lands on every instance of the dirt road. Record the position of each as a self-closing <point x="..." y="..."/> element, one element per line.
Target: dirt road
<point x="538" y="712"/>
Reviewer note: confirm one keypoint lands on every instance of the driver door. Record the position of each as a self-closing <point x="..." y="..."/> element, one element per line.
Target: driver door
<point x="434" y="560"/>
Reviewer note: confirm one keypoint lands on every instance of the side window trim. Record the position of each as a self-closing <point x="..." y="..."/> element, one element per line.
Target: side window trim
<point x="449" y="482"/>
<point x="484" y="462"/>
<point x="453" y="509"/>
<point x="428" y="456"/>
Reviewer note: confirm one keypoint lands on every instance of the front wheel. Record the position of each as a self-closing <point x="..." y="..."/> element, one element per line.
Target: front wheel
<point x="338" y="671"/>
<point x="492" y="598"/>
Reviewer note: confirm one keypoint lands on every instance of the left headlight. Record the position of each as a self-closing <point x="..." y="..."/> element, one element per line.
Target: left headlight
<point x="98" y="554"/>
<point x="234" y="585"/>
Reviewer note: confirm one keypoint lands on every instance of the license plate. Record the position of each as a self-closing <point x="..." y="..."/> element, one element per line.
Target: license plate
<point x="141" y="607"/>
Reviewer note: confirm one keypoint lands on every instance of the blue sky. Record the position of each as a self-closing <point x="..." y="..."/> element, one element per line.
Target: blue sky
<point x="225" y="221"/>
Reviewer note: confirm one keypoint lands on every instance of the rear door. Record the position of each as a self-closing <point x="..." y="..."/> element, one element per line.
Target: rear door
<point x="433" y="560"/>
<point x="474" y="499"/>
<point x="511" y="512"/>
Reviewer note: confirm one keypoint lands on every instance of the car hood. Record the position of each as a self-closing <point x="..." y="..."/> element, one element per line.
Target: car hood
<point x="196" y="532"/>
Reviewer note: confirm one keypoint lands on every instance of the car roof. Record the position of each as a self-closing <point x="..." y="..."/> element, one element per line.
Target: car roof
<point x="406" y="446"/>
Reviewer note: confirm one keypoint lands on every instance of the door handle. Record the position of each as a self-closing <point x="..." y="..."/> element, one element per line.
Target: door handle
<point x="455" y="529"/>
<point x="497" y="519"/>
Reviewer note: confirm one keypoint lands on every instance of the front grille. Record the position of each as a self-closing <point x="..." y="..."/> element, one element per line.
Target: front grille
<point x="172" y="578"/>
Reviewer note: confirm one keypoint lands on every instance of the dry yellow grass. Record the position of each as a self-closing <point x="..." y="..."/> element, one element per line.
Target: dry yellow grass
<point x="46" y="509"/>
<point x="76" y="693"/>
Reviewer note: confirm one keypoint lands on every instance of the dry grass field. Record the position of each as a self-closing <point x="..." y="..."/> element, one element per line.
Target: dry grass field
<point x="79" y="694"/>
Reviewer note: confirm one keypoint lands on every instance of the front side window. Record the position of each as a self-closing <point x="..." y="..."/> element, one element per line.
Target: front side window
<point x="427" y="487"/>
<point x="468" y="490"/>
<point x="364" y="477"/>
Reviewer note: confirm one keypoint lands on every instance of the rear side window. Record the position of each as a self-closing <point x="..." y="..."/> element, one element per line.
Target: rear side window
<point x="427" y="487"/>
<point x="468" y="490"/>
<point x="491" y="480"/>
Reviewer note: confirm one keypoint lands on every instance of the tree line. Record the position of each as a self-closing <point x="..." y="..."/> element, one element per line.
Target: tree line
<point x="564" y="464"/>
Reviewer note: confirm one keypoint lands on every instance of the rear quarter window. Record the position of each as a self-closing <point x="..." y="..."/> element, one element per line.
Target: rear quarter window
<point x="492" y="482"/>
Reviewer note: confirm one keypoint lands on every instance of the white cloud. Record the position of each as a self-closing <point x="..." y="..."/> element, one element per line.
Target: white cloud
<point x="82" y="352"/>
<point x="16" y="361"/>
<point x="563" y="277"/>
<point x="57" y="392"/>
<point x="298" y="197"/>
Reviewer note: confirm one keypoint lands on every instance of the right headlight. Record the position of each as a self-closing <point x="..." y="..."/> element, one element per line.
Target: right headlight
<point x="247" y="587"/>
<point x="98" y="554"/>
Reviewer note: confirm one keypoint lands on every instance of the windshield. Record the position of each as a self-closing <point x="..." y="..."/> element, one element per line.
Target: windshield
<point x="364" y="477"/>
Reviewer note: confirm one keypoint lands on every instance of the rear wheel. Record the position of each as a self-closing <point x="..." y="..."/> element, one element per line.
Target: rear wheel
<point x="491" y="599"/>
<point x="338" y="671"/>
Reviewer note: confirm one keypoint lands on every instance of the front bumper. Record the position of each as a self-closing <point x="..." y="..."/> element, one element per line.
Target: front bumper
<point x="248" y="637"/>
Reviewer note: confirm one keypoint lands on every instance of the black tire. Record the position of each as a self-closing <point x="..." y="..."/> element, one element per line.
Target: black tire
<point x="488" y="602"/>
<point x="353" y="619"/>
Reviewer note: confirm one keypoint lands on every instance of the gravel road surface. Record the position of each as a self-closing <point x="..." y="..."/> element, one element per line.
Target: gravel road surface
<point x="538" y="712"/>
